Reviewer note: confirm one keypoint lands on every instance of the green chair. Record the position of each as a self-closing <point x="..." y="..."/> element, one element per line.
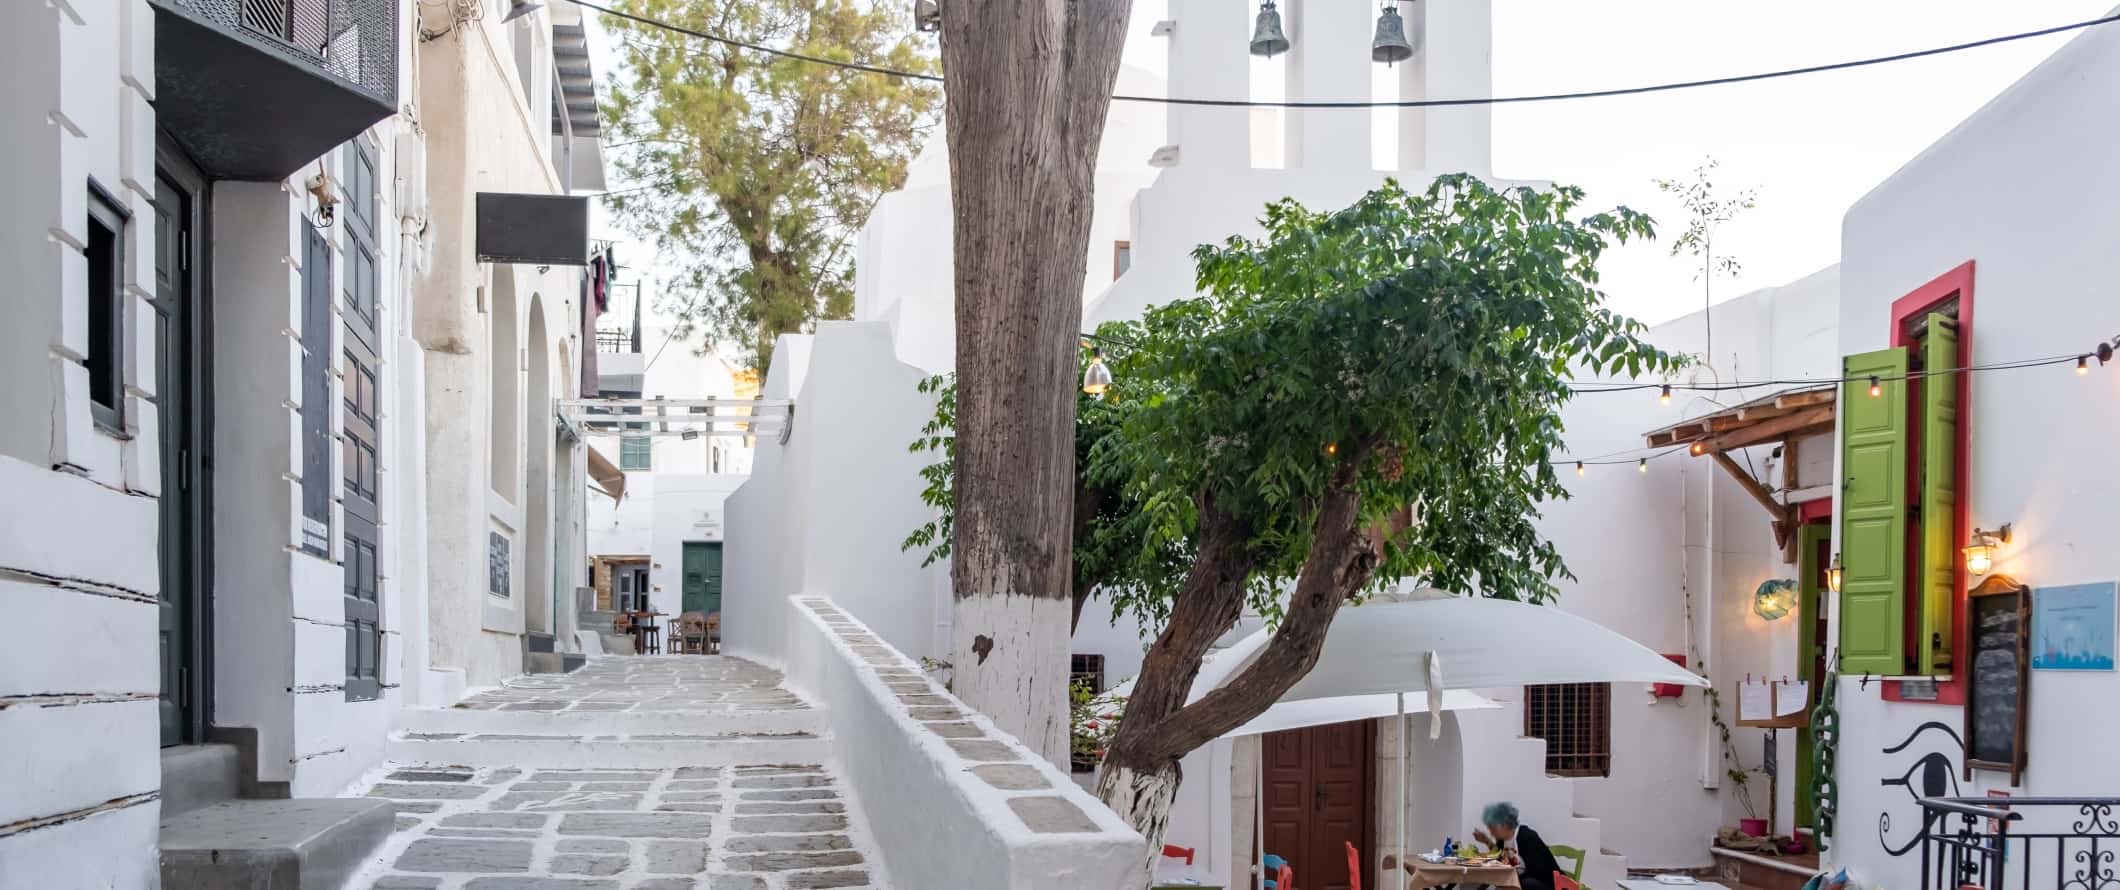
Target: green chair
<point x="1563" y="853"/>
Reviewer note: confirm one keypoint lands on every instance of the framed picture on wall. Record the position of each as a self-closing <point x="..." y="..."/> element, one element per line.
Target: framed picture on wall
<point x="2073" y="627"/>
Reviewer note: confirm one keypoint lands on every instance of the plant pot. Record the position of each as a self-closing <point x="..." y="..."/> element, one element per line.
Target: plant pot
<point x="1752" y="827"/>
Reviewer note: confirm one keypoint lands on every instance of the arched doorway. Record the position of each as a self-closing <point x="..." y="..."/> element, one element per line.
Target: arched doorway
<point x="537" y="477"/>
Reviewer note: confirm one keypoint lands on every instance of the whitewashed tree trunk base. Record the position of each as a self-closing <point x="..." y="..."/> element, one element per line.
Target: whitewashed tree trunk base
<point x="1143" y="799"/>
<point x="1020" y="680"/>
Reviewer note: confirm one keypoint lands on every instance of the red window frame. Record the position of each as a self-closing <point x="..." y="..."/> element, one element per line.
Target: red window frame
<point x="1955" y="284"/>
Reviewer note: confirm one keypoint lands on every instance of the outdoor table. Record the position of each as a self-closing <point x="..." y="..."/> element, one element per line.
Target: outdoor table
<point x="646" y="635"/>
<point x="1438" y="874"/>
<point x="1653" y="884"/>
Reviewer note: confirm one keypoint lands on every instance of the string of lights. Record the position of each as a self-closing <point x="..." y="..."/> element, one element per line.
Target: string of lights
<point x="1402" y="103"/>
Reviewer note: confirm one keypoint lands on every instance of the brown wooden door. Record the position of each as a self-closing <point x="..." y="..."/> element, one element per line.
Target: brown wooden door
<point x="1320" y="786"/>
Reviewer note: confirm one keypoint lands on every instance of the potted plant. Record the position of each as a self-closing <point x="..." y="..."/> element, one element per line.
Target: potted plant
<point x="1093" y="720"/>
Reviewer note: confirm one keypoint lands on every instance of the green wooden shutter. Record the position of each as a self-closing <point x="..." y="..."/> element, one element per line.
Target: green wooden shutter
<point x="1939" y="495"/>
<point x="1873" y="514"/>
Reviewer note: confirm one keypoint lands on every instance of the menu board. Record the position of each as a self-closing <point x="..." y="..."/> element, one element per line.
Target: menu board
<point x="1996" y="686"/>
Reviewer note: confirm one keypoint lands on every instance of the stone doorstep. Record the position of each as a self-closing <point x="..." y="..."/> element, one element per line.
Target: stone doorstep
<point x="197" y="776"/>
<point x="272" y="843"/>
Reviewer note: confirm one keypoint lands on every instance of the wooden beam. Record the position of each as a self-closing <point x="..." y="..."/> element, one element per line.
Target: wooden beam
<point x="1751" y="486"/>
<point x="1805" y="399"/>
<point x="1768" y="431"/>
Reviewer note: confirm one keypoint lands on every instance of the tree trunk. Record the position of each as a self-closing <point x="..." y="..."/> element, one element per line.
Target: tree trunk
<point x="1158" y="727"/>
<point x="1027" y="84"/>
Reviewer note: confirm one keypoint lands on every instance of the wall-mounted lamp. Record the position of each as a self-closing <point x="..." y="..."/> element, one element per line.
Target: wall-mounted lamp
<point x="1774" y="599"/>
<point x="1980" y="553"/>
<point x="1833" y="574"/>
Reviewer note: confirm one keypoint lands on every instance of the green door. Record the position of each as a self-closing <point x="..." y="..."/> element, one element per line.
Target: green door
<point x="1813" y="554"/>
<point x="702" y="577"/>
<point x="1939" y="496"/>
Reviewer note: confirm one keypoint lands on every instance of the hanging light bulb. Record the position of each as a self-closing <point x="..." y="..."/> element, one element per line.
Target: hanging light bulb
<point x="927" y="16"/>
<point x="1643" y="465"/>
<point x="1876" y="386"/>
<point x="519" y="8"/>
<point x="1096" y="378"/>
<point x="1267" y="38"/>
<point x="1699" y="448"/>
<point x="2083" y="365"/>
<point x="1664" y="397"/>
<point x="1391" y="45"/>
<point x="1580" y="471"/>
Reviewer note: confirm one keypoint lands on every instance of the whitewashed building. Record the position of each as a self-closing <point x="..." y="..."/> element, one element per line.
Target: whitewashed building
<point x="218" y="536"/>
<point x="658" y="544"/>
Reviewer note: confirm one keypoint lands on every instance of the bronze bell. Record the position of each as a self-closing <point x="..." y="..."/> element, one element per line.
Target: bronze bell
<point x="1267" y="38"/>
<point x="927" y="16"/>
<point x="1391" y="44"/>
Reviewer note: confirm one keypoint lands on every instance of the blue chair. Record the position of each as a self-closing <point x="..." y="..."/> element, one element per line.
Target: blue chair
<point x="1278" y="872"/>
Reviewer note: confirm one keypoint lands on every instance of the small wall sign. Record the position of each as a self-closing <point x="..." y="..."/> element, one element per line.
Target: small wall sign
<point x="2072" y="627"/>
<point x="497" y="563"/>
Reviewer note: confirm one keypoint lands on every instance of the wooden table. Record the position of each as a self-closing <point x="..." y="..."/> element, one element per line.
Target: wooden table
<point x="1437" y="874"/>
<point x="647" y="635"/>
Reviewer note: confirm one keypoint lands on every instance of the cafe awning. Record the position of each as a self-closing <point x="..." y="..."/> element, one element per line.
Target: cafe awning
<point x="606" y="477"/>
<point x="1785" y="418"/>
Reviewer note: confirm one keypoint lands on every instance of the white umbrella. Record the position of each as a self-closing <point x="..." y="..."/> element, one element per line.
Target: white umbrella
<point x="1437" y="642"/>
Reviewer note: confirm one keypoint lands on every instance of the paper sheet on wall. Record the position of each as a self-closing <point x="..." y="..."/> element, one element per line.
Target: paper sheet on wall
<point x="1792" y="697"/>
<point x="1755" y="701"/>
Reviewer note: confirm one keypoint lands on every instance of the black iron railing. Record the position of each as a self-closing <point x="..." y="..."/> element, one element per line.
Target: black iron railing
<point x="615" y="342"/>
<point x="2024" y="843"/>
<point x="354" y="40"/>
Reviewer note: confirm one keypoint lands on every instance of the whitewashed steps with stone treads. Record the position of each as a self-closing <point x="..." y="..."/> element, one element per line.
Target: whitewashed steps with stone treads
<point x="645" y="712"/>
<point x="633" y="773"/>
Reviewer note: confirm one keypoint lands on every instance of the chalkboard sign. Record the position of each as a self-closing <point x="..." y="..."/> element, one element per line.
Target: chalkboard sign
<point x="1999" y="621"/>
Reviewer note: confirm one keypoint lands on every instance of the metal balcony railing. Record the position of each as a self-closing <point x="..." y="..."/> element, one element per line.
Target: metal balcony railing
<point x="354" y="40"/>
<point x="614" y="342"/>
<point x="2024" y="843"/>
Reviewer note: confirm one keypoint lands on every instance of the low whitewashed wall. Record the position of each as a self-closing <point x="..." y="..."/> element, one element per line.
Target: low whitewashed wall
<point x="951" y="800"/>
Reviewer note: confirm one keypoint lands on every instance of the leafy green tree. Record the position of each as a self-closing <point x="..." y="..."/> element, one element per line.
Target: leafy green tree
<point x="1355" y="398"/>
<point x="757" y="171"/>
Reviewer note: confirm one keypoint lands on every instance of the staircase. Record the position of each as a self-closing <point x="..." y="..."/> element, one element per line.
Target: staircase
<point x="214" y="836"/>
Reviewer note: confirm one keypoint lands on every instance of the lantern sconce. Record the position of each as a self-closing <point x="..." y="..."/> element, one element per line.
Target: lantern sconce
<point x="1833" y="574"/>
<point x="1980" y="553"/>
<point x="1774" y="599"/>
<point x="1096" y="378"/>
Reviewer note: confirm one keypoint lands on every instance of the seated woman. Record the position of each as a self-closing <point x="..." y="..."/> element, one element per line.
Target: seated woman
<point x="1521" y="846"/>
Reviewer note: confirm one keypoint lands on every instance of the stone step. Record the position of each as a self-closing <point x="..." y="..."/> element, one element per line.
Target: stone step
<point x="578" y="721"/>
<point x="604" y="750"/>
<point x="198" y="776"/>
<point x="271" y="844"/>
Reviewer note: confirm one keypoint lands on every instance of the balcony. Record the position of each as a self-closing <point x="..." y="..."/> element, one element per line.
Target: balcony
<point x="2026" y="843"/>
<point x="254" y="89"/>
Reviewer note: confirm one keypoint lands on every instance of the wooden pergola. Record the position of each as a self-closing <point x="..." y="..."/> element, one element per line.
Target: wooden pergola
<point x="1784" y="419"/>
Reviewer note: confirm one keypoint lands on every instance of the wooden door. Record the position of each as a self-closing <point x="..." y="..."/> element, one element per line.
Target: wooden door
<point x="1320" y="790"/>
<point x="702" y="581"/>
<point x="181" y="388"/>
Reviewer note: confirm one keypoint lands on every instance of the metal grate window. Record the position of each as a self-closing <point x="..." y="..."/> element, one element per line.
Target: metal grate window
<point x="303" y="23"/>
<point x="1575" y="720"/>
<point x="1086" y="669"/>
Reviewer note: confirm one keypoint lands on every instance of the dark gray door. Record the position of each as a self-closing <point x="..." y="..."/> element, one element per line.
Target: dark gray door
<point x="361" y="428"/>
<point x="182" y="362"/>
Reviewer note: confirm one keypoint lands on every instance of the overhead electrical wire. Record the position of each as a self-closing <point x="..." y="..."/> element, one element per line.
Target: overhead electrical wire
<point x="1406" y="103"/>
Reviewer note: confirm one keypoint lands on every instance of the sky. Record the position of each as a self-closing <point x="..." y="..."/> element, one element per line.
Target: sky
<point x="1810" y="146"/>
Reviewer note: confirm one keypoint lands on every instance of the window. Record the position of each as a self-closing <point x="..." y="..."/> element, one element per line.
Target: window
<point x="1122" y="257"/>
<point x="1086" y="669"/>
<point x="106" y="309"/>
<point x="1902" y="442"/>
<point x="1575" y="720"/>
<point x="634" y="453"/>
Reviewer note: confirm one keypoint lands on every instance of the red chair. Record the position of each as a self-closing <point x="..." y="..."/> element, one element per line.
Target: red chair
<point x="1354" y="867"/>
<point x="1561" y="881"/>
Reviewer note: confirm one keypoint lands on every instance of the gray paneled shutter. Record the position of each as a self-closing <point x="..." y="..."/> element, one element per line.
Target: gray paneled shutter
<point x="361" y="377"/>
<point x="316" y="392"/>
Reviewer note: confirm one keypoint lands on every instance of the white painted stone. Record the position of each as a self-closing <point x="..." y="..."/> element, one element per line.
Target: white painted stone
<point x="63" y="536"/>
<point x="52" y="779"/>
<point x="113" y="628"/>
<point x="114" y="850"/>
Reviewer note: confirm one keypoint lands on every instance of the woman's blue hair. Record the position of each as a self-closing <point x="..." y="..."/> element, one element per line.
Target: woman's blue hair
<point x="1502" y="813"/>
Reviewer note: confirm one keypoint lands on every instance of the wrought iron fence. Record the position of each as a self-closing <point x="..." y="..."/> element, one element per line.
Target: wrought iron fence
<point x="2024" y="843"/>
<point x="614" y="342"/>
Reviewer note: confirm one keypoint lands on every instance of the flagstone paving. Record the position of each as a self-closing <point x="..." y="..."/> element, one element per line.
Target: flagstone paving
<point x="768" y="825"/>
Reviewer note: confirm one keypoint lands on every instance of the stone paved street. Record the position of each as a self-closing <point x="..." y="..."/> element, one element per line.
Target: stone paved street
<point x="489" y="813"/>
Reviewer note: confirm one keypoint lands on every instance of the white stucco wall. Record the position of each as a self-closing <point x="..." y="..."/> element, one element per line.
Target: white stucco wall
<point x="2024" y="189"/>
